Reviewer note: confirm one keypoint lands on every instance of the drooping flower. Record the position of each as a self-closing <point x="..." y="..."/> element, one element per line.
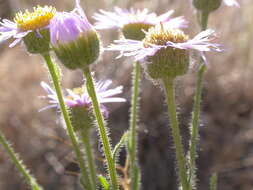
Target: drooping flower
<point x="165" y="50"/>
<point x="73" y="38"/>
<point x="211" y="5"/>
<point x="79" y="98"/>
<point x="133" y="22"/>
<point x="31" y="27"/>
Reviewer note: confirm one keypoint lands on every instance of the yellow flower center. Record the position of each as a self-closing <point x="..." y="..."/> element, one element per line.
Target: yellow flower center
<point x="159" y="36"/>
<point x="39" y="18"/>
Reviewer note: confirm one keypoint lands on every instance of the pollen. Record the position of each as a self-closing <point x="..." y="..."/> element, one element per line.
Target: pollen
<point x="159" y="36"/>
<point x="39" y="18"/>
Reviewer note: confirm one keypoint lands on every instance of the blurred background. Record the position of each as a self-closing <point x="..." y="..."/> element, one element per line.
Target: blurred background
<point x="226" y="132"/>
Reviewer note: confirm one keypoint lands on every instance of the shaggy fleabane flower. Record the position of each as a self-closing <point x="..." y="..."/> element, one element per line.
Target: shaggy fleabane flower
<point x="133" y="22"/>
<point x="166" y="51"/>
<point x="79" y="98"/>
<point x="73" y="38"/>
<point x="211" y="5"/>
<point x="31" y="27"/>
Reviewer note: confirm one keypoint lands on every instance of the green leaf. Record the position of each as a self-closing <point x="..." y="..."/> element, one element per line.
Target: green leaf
<point x="104" y="182"/>
<point x="119" y="145"/>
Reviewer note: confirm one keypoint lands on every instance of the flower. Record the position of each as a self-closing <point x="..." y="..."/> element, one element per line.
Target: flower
<point x="79" y="98"/>
<point x="165" y="50"/>
<point x="132" y="22"/>
<point x="73" y="38"/>
<point x="26" y="23"/>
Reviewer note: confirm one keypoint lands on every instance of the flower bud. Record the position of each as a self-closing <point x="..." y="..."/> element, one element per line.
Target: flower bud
<point x="134" y="31"/>
<point x="74" y="41"/>
<point x="81" y="117"/>
<point x="207" y="5"/>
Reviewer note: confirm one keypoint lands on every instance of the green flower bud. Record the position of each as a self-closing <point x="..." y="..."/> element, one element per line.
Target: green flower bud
<point x="134" y="31"/>
<point x="207" y="5"/>
<point x="79" y="53"/>
<point x="81" y="118"/>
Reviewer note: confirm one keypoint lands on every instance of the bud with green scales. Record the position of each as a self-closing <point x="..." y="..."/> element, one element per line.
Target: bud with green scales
<point x="81" y="115"/>
<point x="74" y="40"/>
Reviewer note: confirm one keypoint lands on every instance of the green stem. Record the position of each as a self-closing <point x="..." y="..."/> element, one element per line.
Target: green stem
<point x="213" y="182"/>
<point x="204" y="20"/>
<point x="181" y="162"/>
<point x="18" y="163"/>
<point x="196" y="109"/>
<point x="134" y="169"/>
<point x="102" y="129"/>
<point x="65" y="114"/>
<point x="195" y="122"/>
<point x="85" y="135"/>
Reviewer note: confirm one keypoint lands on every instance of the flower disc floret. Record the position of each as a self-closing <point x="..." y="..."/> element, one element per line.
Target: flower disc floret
<point x="159" y="36"/>
<point x="39" y="18"/>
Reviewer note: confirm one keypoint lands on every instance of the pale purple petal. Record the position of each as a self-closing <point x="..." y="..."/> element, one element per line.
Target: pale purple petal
<point x="231" y="3"/>
<point x="121" y="17"/>
<point x="15" y="42"/>
<point x="111" y="92"/>
<point x="165" y="17"/>
<point x="201" y="42"/>
<point x="47" y="107"/>
<point x="133" y="48"/>
<point x="66" y="27"/>
<point x="47" y="88"/>
<point x="110" y="100"/>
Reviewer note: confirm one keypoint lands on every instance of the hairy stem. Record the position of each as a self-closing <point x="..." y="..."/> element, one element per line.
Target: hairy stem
<point x="102" y="129"/>
<point x="134" y="169"/>
<point x="85" y="136"/>
<point x="177" y="139"/>
<point x="65" y="114"/>
<point x="195" y="123"/>
<point x="196" y="109"/>
<point x="18" y="163"/>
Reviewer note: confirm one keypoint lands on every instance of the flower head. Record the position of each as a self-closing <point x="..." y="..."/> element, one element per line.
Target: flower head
<point x="24" y="24"/>
<point x="133" y="22"/>
<point x="79" y="98"/>
<point x="165" y="50"/>
<point x="73" y="38"/>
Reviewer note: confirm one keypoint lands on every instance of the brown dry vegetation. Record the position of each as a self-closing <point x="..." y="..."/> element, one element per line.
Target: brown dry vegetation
<point x="227" y="106"/>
